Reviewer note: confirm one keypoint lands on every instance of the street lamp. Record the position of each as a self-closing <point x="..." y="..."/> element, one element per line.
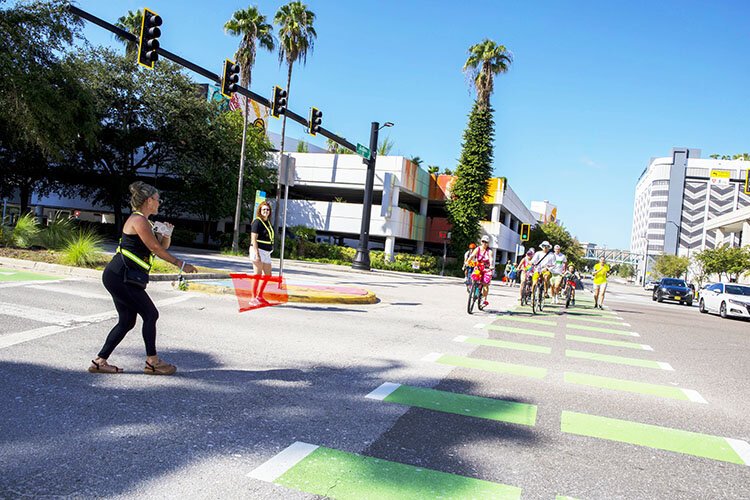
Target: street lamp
<point x="362" y="258"/>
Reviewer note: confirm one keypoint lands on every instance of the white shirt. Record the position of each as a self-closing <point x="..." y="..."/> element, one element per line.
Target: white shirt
<point x="543" y="260"/>
<point x="560" y="261"/>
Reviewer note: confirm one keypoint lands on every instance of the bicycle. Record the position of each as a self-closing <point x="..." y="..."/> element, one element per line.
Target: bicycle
<point x="537" y="295"/>
<point x="526" y="292"/>
<point x="570" y="286"/>
<point x="475" y="292"/>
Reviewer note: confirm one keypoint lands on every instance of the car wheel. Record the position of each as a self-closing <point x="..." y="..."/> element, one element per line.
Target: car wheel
<point x="702" y="307"/>
<point x="659" y="298"/>
<point x="689" y="303"/>
<point x="653" y="296"/>
<point x="723" y="310"/>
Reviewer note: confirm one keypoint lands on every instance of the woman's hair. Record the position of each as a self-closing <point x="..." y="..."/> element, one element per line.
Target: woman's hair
<point x="139" y="193"/>
<point x="264" y="204"/>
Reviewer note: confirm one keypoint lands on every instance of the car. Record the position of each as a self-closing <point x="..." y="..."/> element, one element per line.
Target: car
<point x="673" y="289"/>
<point x="650" y="285"/>
<point x="725" y="299"/>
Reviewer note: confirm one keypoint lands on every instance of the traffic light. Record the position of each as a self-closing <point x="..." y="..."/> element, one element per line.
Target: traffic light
<point x="315" y="121"/>
<point x="230" y="79"/>
<point x="525" y="232"/>
<point x="278" y="103"/>
<point x="148" y="44"/>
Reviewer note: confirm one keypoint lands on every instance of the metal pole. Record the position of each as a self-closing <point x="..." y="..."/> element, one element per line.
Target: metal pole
<point x="445" y="255"/>
<point x="362" y="258"/>
<point x="240" y="184"/>
<point x="287" y="168"/>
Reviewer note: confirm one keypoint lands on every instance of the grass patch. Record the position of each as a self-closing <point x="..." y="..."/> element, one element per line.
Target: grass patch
<point x="83" y="250"/>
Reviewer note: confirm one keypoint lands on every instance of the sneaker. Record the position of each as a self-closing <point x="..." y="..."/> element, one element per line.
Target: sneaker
<point x="485" y="304"/>
<point x="159" y="368"/>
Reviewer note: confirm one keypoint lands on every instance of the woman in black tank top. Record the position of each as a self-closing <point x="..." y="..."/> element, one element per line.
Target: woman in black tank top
<point x="139" y="243"/>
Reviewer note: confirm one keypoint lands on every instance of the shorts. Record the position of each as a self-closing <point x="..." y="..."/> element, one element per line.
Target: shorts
<point x="602" y="287"/>
<point x="485" y="278"/>
<point x="265" y="255"/>
<point x="556" y="280"/>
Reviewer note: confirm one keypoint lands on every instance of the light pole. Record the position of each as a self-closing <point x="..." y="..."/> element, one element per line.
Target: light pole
<point x="362" y="259"/>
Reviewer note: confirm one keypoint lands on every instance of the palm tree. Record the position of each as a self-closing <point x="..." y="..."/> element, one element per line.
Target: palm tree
<point x="385" y="147"/>
<point x="132" y="24"/>
<point x="416" y="160"/>
<point x="486" y="59"/>
<point x="251" y="25"/>
<point x="433" y="169"/>
<point x="296" y="37"/>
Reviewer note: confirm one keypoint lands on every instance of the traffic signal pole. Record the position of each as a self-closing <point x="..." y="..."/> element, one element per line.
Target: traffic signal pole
<point x="362" y="258"/>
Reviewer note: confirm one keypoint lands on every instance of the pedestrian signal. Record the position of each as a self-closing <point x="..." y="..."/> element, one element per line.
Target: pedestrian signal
<point x="278" y="103"/>
<point x="525" y="232"/>
<point x="315" y="122"/>
<point x="230" y="79"/>
<point x="148" y="43"/>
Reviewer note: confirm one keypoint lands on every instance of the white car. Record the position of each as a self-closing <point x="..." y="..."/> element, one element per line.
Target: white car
<point x="651" y="285"/>
<point x="727" y="299"/>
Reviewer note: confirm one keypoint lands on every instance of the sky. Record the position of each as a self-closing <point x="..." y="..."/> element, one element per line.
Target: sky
<point x="596" y="89"/>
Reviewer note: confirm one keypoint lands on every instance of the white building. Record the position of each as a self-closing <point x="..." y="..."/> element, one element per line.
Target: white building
<point x="544" y="211"/>
<point x="676" y="199"/>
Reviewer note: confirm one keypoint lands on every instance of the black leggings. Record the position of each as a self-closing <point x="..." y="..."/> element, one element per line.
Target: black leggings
<point x="130" y="301"/>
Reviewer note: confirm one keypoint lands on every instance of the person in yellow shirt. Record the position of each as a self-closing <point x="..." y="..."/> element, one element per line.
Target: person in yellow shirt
<point x="601" y="270"/>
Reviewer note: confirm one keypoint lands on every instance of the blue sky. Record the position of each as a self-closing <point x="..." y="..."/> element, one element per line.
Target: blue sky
<point x="596" y="88"/>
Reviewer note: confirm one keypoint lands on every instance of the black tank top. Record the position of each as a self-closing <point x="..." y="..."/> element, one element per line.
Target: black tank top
<point x="134" y="243"/>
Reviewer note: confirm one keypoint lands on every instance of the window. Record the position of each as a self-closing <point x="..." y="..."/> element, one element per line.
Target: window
<point x="738" y="290"/>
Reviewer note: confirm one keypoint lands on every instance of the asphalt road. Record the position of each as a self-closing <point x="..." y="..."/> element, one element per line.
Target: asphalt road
<point x="251" y="385"/>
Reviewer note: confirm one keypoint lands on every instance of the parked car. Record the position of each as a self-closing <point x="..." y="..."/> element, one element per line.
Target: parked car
<point x="650" y="285"/>
<point x="673" y="289"/>
<point x="726" y="299"/>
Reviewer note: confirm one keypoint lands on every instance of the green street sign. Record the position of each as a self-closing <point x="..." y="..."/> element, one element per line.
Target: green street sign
<point x="363" y="151"/>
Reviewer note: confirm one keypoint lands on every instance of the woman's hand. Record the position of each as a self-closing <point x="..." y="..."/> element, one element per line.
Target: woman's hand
<point x="189" y="268"/>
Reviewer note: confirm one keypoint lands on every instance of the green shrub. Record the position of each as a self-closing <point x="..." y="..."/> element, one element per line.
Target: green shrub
<point x="225" y="241"/>
<point x="183" y="237"/>
<point x="26" y="232"/>
<point x="6" y="236"/>
<point x="57" y="234"/>
<point x="83" y="250"/>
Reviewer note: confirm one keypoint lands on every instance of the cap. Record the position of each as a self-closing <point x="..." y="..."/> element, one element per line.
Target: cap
<point x="545" y="243"/>
<point x="485" y="238"/>
<point x="472" y="246"/>
<point x="530" y="252"/>
<point x="557" y="247"/>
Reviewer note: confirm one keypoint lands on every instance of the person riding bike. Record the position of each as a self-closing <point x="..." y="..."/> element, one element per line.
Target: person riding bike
<point x="524" y="266"/>
<point x="482" y="255"/>
<point x="467" y="268"/>
<point x="558" y="269"/>
<point x="542" y="261"/>
<point x="571" y="278"/>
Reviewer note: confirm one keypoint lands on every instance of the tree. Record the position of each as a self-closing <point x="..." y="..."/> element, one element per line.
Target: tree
<point x="556" y="234"/>
<point x="251" y="25"/>
<point x="302" y="147"/>
<point x="131" y="23"/>
<point x="725" y="260"/>
<point x="334" y="147"/>
<point x="626" y="271"/>
<point x="416" y="160"/>
<point x="296" y="37"/>
<point x="670" y="266"/>
<point x="43" y="109"/>
<point x="433" y="169"/>
<point x="486" y="59"/>
<point x="386" y="146"/>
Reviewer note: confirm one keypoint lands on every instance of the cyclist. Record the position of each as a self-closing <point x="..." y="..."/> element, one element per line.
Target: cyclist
<point x="557" y="271"/>
<point x="466" y="267"/>
<point x="524" y="266"/>
<point x="483" y="255"/>
<point x="542" y="261"/>
<point x="571" y="275"/>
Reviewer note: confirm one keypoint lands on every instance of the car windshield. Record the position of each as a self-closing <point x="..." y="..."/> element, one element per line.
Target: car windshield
<point x="673" y="282"/>
<point x="737" y="290"/>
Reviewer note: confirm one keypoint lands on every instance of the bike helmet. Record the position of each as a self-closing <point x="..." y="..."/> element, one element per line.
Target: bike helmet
<point x="472" y="246"/>
<point x="530" y="253"/>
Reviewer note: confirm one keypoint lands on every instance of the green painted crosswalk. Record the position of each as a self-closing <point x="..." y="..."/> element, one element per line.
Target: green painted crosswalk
<point x="338" y="474"/>
<point x="652" y="436"/>
<point x="662" y="391"/>
<point x="527" y="320"/>
<point x="488" y="366"/>
<point x="608" y="342"/>
<point x="601" y="321"/>
<point x="595" y="356"/>
<point x="521" y="331"/>
<point x="13" y="275"/>
<point x="599" y="329"/>
<point x="518" y="346"/>
<point x="459" y="404"/>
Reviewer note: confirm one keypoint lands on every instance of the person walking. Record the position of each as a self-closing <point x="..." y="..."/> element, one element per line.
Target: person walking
<point x="558" y="268"/>
<point x="126" y="278"/>
<point x="601" y="270"/>
<point x="261" y="246"/>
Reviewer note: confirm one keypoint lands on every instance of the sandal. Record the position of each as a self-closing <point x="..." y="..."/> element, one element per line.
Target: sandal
<point x="159" y="368"/>
<point x="103" y="367"/>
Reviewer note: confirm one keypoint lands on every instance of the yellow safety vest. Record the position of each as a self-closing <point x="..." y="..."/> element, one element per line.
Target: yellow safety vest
<point x="269" y="229"/>
<point x="130" y="255"/>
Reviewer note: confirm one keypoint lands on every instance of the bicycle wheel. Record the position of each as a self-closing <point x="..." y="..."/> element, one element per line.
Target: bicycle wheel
<point x="534" y="304"/>
<point x="472" y="298"/>
<point x="480" y="299"/>
<point x="568" y="294"/>
<point x="540" y="298"/>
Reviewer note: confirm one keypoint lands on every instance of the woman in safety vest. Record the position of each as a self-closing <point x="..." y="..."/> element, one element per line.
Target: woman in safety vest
<point x="126" y="277"/>
<point x="261" y="246"/>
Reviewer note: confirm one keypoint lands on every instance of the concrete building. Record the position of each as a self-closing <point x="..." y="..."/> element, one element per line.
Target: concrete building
<point x="408" y="204"/>
<point x="677" y="200"/>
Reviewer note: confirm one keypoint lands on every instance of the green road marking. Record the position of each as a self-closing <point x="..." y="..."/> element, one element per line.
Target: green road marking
<point x="522" y="331"/>
<point x="462" y="404"/>
<point x="585" y="313"/>
<point x="12" y="275"/>
<point x="492" y="366"/>
<point x="643" y="363"/>
<point x="338" y="474"/>
<point x="662" y="391"/>
<point x="563" y="497"/>
<point x="652" y="436"/>
<point x="528" y="320"/>
<point x="599" y="329"/>
<point x="505" y="345"/>
<point x="613" y="343"/>
<point x="601" y="320"/>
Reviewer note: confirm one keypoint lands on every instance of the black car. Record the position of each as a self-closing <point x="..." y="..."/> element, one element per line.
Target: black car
<point x="673" y="289"/>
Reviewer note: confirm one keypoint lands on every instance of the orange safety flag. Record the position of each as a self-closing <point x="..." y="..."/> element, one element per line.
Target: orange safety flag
<point x="254" y="291"/>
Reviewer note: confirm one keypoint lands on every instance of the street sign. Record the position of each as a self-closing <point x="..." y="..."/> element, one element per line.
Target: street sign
<point x="363" y="151"/>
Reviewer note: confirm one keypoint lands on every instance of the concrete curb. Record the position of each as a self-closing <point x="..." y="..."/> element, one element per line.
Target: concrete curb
<point x="312" y="298"/>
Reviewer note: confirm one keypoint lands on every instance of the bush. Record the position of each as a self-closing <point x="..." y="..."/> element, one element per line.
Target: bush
<point x="225" y="241"/>
<point x="6" y="236"/>
<point x="26" y="232"/>
<point x="84" y="250"/>
<point x="183" y="237"/>
<point x="57" y="234"/>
